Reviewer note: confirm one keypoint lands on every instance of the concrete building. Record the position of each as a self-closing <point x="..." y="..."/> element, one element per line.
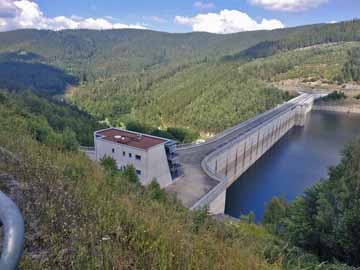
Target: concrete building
<point x="152" y="157"/>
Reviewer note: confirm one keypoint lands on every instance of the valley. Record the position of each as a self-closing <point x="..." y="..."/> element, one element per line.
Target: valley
<point x="58" y="87"/>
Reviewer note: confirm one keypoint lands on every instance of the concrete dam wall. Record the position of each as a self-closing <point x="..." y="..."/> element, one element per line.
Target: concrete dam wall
<point x="228" y="162"/>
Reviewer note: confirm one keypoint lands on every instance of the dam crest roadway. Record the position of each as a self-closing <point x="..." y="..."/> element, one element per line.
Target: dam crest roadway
<point x="209" y="168"/>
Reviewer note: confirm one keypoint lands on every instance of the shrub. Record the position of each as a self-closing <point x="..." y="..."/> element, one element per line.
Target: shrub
<point x="336" y="95"/>
<point x="109" y="164"/>
<point x="184" y="135"/>
<point x="156" y="192"/>
<point x="130" y="173"/>
<point x="275" y="212"/>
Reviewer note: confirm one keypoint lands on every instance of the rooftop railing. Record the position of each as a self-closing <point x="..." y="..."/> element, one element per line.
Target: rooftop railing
<point x="13" y="233"/>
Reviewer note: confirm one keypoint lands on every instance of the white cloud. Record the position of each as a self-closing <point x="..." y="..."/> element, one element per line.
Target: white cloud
<point x="227" y="21"/>
<point x="288" y="5"/>
<point x="202" y="5"/>
<point x="7" y="9"/>
<point x="27" y="14"/>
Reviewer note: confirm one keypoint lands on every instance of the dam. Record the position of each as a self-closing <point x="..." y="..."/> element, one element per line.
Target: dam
<point x="298" y="161"/>
<point x="211" y="167"/>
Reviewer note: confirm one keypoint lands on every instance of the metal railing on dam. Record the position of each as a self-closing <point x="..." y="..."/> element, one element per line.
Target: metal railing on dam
<point x="13" y="233"/>
<point x="239" y="126"/>
<point x="216" y="191"/>
<point x="225" y="157"/>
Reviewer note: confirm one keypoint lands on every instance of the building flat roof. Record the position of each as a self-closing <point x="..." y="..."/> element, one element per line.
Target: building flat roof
<point x="133" y="139"/>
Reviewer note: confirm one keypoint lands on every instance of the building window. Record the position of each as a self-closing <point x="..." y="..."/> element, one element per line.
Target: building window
<point x="124" y="153"/>
<point x="113" y="150"/>
<point x="138" y="157"/>
<point x="138" y="172"/>
<point x="130" y="155"/>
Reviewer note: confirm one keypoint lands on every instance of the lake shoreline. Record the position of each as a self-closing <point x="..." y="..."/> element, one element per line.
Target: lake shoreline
<point x="338" y="109"/>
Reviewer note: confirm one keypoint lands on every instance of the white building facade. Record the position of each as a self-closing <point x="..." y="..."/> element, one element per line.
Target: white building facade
<point x="148" y="154"/>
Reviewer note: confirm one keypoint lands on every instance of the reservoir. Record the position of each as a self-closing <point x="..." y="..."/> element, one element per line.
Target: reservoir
<point x="300" y="159"/>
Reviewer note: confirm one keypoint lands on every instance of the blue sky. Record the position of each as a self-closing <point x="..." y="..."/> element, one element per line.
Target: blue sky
<point x="224" y="16"/>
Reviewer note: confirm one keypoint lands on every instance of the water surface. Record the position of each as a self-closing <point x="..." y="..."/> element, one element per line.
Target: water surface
<point x="301" y="158"/>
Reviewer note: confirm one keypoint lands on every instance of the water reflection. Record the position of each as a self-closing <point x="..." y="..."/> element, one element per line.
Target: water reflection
<point x="297" y="161"/>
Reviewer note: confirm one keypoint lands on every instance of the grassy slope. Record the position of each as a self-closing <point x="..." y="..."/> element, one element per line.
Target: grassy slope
<point x="80" y="217"/>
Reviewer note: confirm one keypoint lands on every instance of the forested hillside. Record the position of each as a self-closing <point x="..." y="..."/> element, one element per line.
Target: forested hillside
<point x="332" y="63"/>
<point x="302" y="37"/>
<point x="52" y="122"/>
<point x="24" y="70"/>
<point x="176" y="80"/>
<point x="213" y="96"/>
<point x="185" y="99"/>
<point x="100" y="54"/>
<point x="210" y="96"/>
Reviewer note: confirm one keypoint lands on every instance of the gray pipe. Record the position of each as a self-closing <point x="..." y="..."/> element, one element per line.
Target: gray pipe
<point x="13" y="233"/>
